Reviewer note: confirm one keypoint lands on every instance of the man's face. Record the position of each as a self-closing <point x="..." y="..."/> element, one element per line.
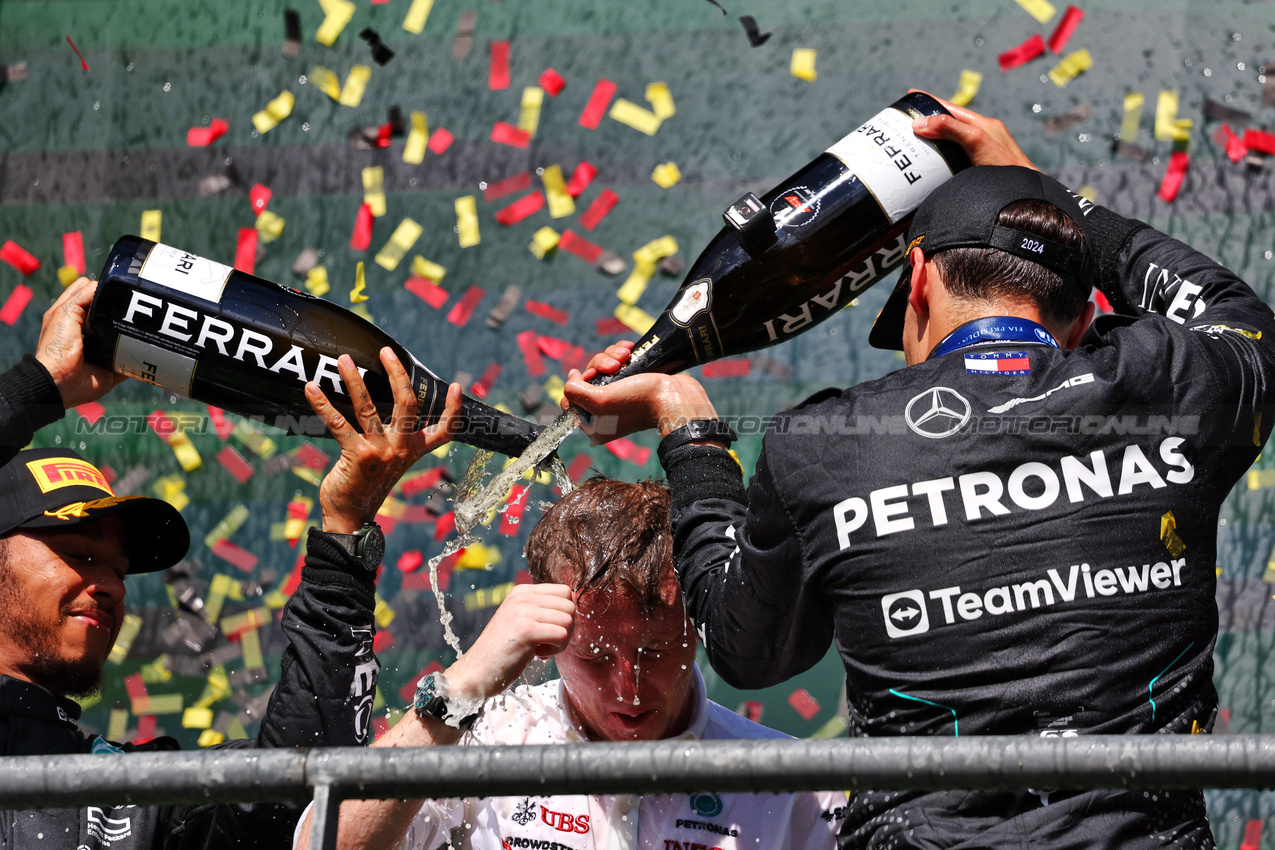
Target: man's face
<point x="627" y="674"/>
<point x="62" y="603"/>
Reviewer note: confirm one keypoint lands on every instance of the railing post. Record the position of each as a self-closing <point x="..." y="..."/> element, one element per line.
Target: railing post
<point x="324" y="817"/>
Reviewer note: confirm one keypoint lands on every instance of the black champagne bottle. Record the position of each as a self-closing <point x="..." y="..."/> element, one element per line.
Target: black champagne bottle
<point x="790" y="259"/>
<point x="204" y="330"/>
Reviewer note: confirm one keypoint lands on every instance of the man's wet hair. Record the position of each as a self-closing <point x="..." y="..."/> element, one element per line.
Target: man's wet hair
<point x="608" y="535"/>
<point x="989" y="274"/>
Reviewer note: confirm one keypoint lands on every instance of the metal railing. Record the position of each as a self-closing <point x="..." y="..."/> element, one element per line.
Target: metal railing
<point x="659" y="767"/>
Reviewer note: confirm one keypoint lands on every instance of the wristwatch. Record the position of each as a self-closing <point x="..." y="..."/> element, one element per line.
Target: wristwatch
<point x="367" y="545"/>
<point x="431" y="701"/>
<point x="696" y="429"/>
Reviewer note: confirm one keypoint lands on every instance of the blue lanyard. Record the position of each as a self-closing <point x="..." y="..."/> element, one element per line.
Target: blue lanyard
<point x="994" y="329"/>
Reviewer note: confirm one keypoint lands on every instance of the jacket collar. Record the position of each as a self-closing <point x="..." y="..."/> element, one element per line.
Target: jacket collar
<point x="32" y="700"/>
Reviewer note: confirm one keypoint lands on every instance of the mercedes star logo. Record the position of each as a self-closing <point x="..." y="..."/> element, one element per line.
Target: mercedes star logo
<point x="937" y="413"/>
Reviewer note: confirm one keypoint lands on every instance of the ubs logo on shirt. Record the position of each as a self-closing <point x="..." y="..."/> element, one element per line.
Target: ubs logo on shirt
<point x="564" y="822"/>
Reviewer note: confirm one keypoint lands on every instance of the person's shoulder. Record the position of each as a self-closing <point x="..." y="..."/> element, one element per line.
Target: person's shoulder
<point x="722" y="723"/>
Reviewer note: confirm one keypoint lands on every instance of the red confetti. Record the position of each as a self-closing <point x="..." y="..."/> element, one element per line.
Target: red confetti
<point x="482" y="386"/>
<point x="161" y="424"/>
<point x="579" y="246"/>
<point x="418" y="514"/>
<point x="508" y="186"/>
<point x="423" y="481"/>
<point x="611" y="326"/>
<point x="1030" y="49"/>
<point x="545" y="311"/>
<point x="362" y="236"/>
<point x="527" y="343"/>
<point x="1174" y="175"/>
<point x="598" y="210"/>
<point x="508" y="134"/>
<point x="135" y="687"/>
<point x="1252" y="835"/>
<point x="235" y="464"/>
<point x="260" y="196"/>
<point x="523" y="577"/>
<point x="511" y="518"/>
<point x="551" y="81"/>
<point x="221" y="424"/>
<point x="83" y="64"/>
<point x="439" y="141"/>
<point x="1066" y="26"/>
<point x="751" y="709"/>
<point x="626" y="449"/>
<point x="426" y="290"/>
<point x="803" y="703"/>
<point x="1101" y="301"/>
<point x="410" y="561"/>
<point x="597" y="105"/>
<point x="498" y="75"/>
<point x="464" y="308"/>
<point x="581" y="178"/>
<point x="527" y="205"/>
<point x="147" y="724"/>
<point x="73" y="250"/>
<point x="202" y="137"/>
<point x="294" y="578"/>
<point x="238" y="556"/>
<point x="310" y="455"/>
<point x="381" y="642"/>
<point x="579" y="466"/>
<point x="734" y="368"/>
<point x="1257" y="140"/>
<point x="91" y="411"/>
<point x="408" y="691"/>
<point x="1235" y="147"/>
<point x="16" y="303"/>
<point x="559" y="349"/>
<point x="446" y="525"/>
<point x="383" y="134"/>
<point x="18" y="257"/>
<point x="246" y="250"/>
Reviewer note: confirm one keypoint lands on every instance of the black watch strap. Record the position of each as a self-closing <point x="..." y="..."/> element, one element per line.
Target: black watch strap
<point x="697" y="429"/>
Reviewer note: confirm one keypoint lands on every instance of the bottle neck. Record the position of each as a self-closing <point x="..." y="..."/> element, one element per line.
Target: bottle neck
<point x="990" y="329"/>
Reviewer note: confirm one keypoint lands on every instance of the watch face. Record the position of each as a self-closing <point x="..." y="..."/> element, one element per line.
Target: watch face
<point x="373" y="547"/>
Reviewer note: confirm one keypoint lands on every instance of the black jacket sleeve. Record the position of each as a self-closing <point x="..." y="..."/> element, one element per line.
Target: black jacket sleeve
<point x="324" y="696"/>
<point x="29" y="400"/>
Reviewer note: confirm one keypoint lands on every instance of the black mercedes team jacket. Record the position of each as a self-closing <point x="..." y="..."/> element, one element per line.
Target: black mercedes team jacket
<point x="323" y="698"/>
<point x="1028" y="551"/>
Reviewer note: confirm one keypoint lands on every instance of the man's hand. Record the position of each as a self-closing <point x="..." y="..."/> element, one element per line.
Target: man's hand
<point x="61" y="348"/>
<point x="984" y="139"/>
<point x="372" y="462"/>
<point x="643" y="401"/>
<point x="535" y="620"/>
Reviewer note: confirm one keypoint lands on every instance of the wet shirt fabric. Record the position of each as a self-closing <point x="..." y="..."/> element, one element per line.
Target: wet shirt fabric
<point x="999" y="552"/>
<point x="324" y="698"/>
<point x="537" y="715"/>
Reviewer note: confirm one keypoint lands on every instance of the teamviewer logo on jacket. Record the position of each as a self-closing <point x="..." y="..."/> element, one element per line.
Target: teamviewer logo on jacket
<point x="905" y="614"/>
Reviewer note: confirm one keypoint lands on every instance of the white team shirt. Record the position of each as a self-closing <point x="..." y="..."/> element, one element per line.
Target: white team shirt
<point x="705" y="821"/>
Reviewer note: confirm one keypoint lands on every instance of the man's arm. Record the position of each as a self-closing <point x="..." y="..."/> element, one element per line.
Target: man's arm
<point x="534" y="620"/>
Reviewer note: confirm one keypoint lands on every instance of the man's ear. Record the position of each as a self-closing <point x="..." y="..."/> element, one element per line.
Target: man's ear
<point x="1079" y="326"/>
<point x="919" y="296"/>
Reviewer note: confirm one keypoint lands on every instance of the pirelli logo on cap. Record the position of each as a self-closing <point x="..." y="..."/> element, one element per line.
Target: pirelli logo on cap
<point x="57" y="472"/>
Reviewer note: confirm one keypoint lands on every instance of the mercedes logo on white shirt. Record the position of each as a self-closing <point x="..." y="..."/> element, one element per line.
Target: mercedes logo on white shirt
<point x="937" y="413"/>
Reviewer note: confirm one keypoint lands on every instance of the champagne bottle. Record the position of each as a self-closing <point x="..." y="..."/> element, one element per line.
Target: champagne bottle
<point x="790" y="259"/>
<point x="204" y="330"/>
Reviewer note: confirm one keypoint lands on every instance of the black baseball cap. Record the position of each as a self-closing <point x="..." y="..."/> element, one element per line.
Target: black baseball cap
<point x="962" y="213"/>
<point x="56" y="488"/>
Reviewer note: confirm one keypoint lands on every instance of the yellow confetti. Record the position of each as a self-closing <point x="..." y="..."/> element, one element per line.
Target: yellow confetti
<point x="305" y="473"/>
<point x="561" y="203"/>
<point x="378" y="701"/>
<point x="269" y="226"/>
<point x="543" y="241"/>
<point x="1257" y="425"/>
<point x="159" y="704"/>
<point x="555" y="389"/>
<point x="117" y="725"/>
<point x="633" y="288"/>
<point x="1089" y="193"/>
<point x="383" y="613"/>
<point x="156" y="671"/>
<point x="360" y="283"/>
<point x="1132" y="116"/>
<point x="197" y="718"/>
<point x="211" y="738"/>
<point x="374" y="189"/>
<point x="337" y="14"/>
<point x="467" y="221"/>
<point x="172" y="489"/>
<point x="478" y="557"/>
<point x="275" y="111"/>
<point x="417" y="15"/>
<point x="316" y="281"/>
<point x="422" y="267"/>
<point x="355" y="85"/>
<point x="275" y="600"/>
<point x="151" y="221"/>
<point x="251" y="643"/>
<point x="967" y="87"/>
<point x="218" y="589"/>
<point x="229" y="524"/>
<point x="1169" y="535"/>
<point x="184" y="449"/>
<point x="834" y="728"/>
<point x="216" y="687"/>
<point x="487" y="597"/>
<point x="1070" y="67"/>
<point x="254" y="618"/>
<point x="68" y="275"/>
<point x="666" y="175"/>
<point x="236" y="732"/>
<point x="326" y="81"/>
<point x="803" y="64"/>
<point x="253" y="438"/>
<point x="443" y="450"/>
<point x="634" y="318"/>
<point x="1041" y="10"/>
<point x="417" y="137"/>
<point x="661" y="100"/>
<point x="1168" y="127"/>
<point x="655" y="250"/>
<point x="632" y="115"/>
<point x="1260" y="479"/>
<point x="401" y="241"/>
<point x="529" y="116"/>
<point x="124" y="642"/>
